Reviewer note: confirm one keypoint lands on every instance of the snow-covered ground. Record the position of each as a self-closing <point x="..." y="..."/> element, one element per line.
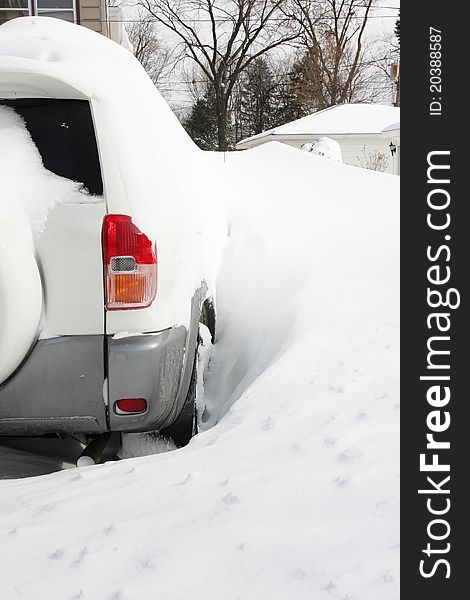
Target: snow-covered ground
<point x="294" y="492"/>
<point x="290" y="491"/>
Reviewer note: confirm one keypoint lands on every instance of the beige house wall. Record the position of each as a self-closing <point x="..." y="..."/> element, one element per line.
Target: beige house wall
<point x="92" y="14"/>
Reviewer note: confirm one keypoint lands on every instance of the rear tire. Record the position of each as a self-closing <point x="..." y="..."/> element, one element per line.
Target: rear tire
<point x="208" y="317"/>
<point x="185" y="426"/>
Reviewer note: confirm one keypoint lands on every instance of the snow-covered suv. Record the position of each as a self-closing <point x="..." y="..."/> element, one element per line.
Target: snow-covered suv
<point x="98" y="323"/>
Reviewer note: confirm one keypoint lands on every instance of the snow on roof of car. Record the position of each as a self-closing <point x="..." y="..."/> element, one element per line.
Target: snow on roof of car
<point x="90" y="62"/>
<point x="346" y="119"/>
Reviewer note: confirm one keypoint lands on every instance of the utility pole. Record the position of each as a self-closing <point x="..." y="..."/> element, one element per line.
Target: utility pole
<point x="395" y="77"/>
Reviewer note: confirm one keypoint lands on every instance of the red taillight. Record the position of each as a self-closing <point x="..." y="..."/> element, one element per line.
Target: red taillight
<point x="130" y="264"/>
<point x="131" y="405"/>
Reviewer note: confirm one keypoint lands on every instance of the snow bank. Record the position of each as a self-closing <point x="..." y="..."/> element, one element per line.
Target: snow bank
<point x="294" y="493"/>
<point x="28" y="191"/>
<point x="325" y="147"/>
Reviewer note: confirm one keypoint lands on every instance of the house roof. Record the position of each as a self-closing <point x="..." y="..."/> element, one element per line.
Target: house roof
<point x="393" y="129"/>
<point x="343" y="119"/>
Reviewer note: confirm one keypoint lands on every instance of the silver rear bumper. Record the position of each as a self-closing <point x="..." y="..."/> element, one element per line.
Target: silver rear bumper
<point x="70" y="384"/>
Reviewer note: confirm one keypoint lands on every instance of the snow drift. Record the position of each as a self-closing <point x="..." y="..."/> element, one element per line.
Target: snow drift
<point x="294" y="493"/>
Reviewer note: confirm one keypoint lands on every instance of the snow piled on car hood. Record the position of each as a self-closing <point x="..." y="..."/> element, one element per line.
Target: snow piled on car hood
<point x="293" y="493"/>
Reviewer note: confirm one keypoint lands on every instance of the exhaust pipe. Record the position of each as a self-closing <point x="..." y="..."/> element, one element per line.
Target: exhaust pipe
<point x="100" y="449"/>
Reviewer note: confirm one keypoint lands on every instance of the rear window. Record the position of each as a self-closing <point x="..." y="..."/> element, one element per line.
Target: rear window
<point x="64" y="134"/>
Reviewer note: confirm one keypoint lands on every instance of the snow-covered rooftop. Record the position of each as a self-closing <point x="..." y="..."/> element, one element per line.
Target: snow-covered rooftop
<point x="346" y="119"/>
<point x="393" y="129"/>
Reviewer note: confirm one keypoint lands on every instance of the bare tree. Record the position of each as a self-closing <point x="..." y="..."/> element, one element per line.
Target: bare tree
<point x="147" y="47"/>
<point x="334" y="68"/>
<point x="384" y="52"/>
<point x="223" y="37"/>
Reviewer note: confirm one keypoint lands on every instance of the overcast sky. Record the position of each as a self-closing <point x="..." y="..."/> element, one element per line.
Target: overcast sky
<point x="385" y="16"/>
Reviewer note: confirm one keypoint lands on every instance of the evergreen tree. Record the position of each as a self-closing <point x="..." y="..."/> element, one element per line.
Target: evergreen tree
<point x="201" y="123"/>
<point x="264" y="98"/>
<point x="258" y="97"/>
<point x="397" y="29"/>
<point x="293" y="103"/>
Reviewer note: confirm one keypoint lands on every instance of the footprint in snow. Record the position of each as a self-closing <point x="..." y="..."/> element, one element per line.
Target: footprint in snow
<point x="268" y="424"/>
<point x="328" y="421"/>
<point x="340" y="481"/>
<point x="81" y="556"/>
<point x="329" y="587"/>
<point x="330" y="442"/>
<point x="337" y="389"/>
<point x="147" y="562"/>
<point x="59" y="553"/>
<point x="186" y="480"/>
<point x="300" y="575"/>
<point x="382" y="503"/>
<point x="109" y="529"/>
<point x="387" y="577"/>
<point x="350" y="455"/>
<point x="229" y="499"/>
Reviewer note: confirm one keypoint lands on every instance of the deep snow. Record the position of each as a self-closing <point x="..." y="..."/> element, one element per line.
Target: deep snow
<point x="294" y="493"/>
<point x="292" y="489"/>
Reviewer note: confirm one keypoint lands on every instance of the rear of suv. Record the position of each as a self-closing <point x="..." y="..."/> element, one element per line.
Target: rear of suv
<point x="88" y="341"/>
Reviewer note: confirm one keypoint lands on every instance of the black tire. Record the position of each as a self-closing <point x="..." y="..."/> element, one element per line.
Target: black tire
<point x="185" y="426"/>
<point x="208" y="317"/>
